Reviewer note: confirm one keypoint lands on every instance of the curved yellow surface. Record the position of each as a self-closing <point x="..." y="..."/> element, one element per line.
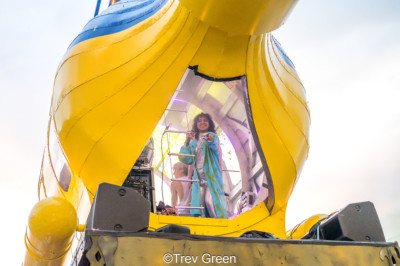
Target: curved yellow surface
<point x="51" y="225"/>
<point x="304" y="227"/>
<point x="110" y="92"/>
<point x="221" y="55"/>
<point x="280" y="114"/>
<point x="113" y="124"/>
<point x="244" y="17"/>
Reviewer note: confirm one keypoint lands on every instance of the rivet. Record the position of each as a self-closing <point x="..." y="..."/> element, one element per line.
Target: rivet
<point x="122" y="192"/>
<point x="117" y="227"/>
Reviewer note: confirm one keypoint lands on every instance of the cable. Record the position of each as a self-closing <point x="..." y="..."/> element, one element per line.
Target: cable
<point x="162" y="168"/>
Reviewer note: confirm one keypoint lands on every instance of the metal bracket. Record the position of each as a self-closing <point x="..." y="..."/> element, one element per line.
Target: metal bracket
<point x="391" y="253"/>
<point x="108" y="245"/>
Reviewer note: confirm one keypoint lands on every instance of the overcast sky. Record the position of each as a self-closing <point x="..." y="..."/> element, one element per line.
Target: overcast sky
<point x="347" y="53"/>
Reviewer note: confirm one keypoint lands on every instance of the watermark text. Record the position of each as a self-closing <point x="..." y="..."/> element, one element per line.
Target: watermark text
<point x="206" y="258"/>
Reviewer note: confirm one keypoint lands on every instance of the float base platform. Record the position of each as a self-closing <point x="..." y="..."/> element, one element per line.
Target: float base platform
<point x="154" y="248"/>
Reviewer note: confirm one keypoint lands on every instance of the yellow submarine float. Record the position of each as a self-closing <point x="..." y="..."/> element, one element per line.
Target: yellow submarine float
<point x="125" y="95"/>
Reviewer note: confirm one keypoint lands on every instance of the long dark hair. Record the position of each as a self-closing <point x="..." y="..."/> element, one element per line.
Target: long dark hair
<point x="211" y="125"/>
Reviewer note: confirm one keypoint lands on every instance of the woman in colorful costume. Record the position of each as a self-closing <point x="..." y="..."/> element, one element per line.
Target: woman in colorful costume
<point x="209" y="192"/>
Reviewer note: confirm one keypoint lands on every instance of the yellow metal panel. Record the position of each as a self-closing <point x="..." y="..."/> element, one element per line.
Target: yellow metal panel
<point x="51" y="181"/>
<point x="241" y="16"/>
<point x="51" y="184"/>
<point x="233" y="62"/>
<point x="98" y="111"/>
<point x="104" y="134"/>
<point x="114" y="73"/>
<point x="283" y="139"/>
<point x="291" y="92"/>
<point x="51" y="225"/>
<point x="257" y="218"/>
<point x="105" y="113"/>
<point x="280" y="163"/>
<point x="108" y="52"/>
<point x="119" y="148"/>
<point x="111" y="91"/>
<point x="221" y="55"/>
<point x="286" y="69"/>
<point x="304" y="227"/>
<point x="276" y="108"/>
<point x="95" y="106"/>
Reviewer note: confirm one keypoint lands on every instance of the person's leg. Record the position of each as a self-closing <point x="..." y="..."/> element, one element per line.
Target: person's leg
<point x="202" y="200"/>
<point x="209" y="203"/>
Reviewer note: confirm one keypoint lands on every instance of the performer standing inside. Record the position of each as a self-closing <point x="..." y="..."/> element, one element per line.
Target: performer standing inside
<point x="181" y="190"/>
<point x="204" y="144"/>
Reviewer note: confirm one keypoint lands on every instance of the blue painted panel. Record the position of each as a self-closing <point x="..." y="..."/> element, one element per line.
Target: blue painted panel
<point x="119" y="17"/>
<point x="282" y="53"/>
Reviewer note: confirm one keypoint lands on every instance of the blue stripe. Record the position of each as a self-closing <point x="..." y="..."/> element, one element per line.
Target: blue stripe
<point x="119" y="17"/>
<point x="283" y="54"/>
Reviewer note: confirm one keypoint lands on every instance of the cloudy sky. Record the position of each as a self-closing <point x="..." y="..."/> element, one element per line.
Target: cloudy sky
<point x="347" y="53"/>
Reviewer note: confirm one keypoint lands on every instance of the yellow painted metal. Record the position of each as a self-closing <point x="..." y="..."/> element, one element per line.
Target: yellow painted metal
<point x="280" y="114"/>
<point x="81" y="228"/>
<point x="162" y="250"/>
<point x="49" y="234"/>
<point x="221" y="55"/>
<point x="134" y="74"/>
<point x="246" y="17"/>
<point x="256" y="219"/>
<point x="51" y="184"/>
<point x="304" y="227"/>
<point x="110" y="92"/>
<point x="103" y="134"/>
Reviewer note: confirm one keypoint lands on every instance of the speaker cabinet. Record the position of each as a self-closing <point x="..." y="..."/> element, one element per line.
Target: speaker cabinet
<point x="117" y="208"/>
<point x="356" y="222"/>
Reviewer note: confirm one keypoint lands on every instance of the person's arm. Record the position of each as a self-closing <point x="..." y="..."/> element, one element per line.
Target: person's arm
<point x="186" y="159"/>
<point x="212" y="141"/>
<point x="179" y="189"/>
<point x="173" y="194"/>
<point x="190" y="171"/>
<point x="189" y="138"/>
<point x="190" y="176"/>
<point x="220" y="157"/>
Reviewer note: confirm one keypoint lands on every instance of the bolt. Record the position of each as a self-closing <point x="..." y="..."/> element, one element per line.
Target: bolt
<point x="122" y="192"/>
<point x="118" y="227"/>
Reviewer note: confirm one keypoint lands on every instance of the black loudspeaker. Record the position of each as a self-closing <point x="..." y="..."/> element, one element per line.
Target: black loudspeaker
<point x="356" y="222"/>
<point x="117" y="208"/>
